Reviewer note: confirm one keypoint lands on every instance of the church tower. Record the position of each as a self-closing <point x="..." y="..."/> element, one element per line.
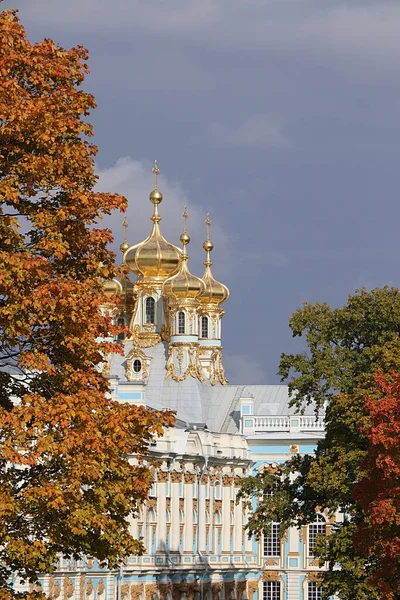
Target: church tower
<point x="152" y="261"/>
<point x="183" y="291"/>
<point x="210" y="315"/>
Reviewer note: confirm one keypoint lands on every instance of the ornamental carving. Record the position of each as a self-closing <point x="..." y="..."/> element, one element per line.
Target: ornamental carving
<point x="294" y="449"/>
<point x="195" y="503"/>
<point x="229" y="587"/>
<point x="252" y="587"/>
<point x="193" y="364"/>
<point x="176" y="477"/>
<point x="217" y="505"/>
<point x="190" y="477"/>
<point x="227" y="480"/>
<point x="151" y="588"/>
<point x="136" y="591"/>
<point x="124" y="589"/>
<point x="216" y="589"/>
<point x="101" y="588"/>
<point x="143" y="339"/>
<point x="89" y="588"/>
<point x="181" y="504"/>
<point x="165" y="333"/>
<point x="151" y="503"/>
<point x="162" y="476"/>
<point x="207" y="505"/>
<point x="82" y="586"/>
<point x="68" y="588"/>
<point x="168" y="501"/>
<point x="217" y="371"/>
<point x="142" y="375"/>
<point x="56" y="589"/>
<point x="240" y="589"/>
<point x="164" y="589"/>
<point x="271" y="562"/>
<point x="271" y="576"/>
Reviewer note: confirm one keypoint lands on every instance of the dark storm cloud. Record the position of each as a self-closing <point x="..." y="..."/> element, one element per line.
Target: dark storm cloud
<point x="281" y="117"/>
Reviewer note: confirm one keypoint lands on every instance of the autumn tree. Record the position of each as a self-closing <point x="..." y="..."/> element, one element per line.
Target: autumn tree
<point x="66" y="484"/>
<point x="378" y="490"/>
<point x="346" y="348"/>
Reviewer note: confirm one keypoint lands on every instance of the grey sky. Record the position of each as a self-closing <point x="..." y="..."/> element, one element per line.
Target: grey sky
<point x="280" y="117"/>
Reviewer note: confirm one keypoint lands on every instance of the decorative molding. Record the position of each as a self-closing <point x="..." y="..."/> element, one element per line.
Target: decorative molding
<point x="162" y="476"/>
<point x="176" y="476"/>
<point x="136" y="591"/>
<point x="190" y="477"/>
<point x="143" y="375"/>
<point x="294" y="449"/>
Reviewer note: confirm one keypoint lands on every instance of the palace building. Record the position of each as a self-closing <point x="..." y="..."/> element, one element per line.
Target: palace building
<point x="194" y="532"/>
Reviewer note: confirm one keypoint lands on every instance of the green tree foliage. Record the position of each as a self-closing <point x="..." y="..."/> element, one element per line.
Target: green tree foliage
<point x="347" y="348"/>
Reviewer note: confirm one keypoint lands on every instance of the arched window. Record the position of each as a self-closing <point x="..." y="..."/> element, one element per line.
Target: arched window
<point x="121" y="323"/>
<point x="204" y="327"/>
<point x="217" y="490"/>
<point x="137" y="365"/>
<point x="150" y="310"/>
<point x="315" y="529"/>
<point x="181" y="322"/>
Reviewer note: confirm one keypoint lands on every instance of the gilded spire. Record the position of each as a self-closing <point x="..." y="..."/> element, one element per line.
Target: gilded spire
<point x="185" y="237"/>
<point x="208" y="245"/>
<point x="124" y="246"/>
<point x="156" y="172"/>
<point x="215" y="292"/>
<point x="156" y="196"/>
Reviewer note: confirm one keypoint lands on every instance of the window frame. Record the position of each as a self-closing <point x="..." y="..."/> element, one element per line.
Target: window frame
<point x="271" y="547"/>
<point x="204" y="321"/>
<point x="181" y="322"/>
<point x="318" y="527"/>
<point x="272" y="589"/>
<point x="150" y="311"/>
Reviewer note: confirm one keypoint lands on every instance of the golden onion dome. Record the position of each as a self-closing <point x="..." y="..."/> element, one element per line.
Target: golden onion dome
<point x="214" y="292"/>
<point x="112" y="287"/>
<point x="154" y="258"/>
<point x="184" y="284"/>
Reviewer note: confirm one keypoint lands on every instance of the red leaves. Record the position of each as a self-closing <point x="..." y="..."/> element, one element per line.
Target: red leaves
<point x="379" y="490"/>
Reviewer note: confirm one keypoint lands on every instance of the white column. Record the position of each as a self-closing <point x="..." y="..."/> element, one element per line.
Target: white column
<point x="188" y="531"/>
<point x="238" y="530"/>
<point x="175" y="511"/>
<point x="226" y="515"/>
<point x="161" y="531"/>
<point x="201" y="516"/>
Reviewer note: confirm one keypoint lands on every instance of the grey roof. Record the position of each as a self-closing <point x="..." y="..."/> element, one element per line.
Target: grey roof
<point x="199" y="402"/>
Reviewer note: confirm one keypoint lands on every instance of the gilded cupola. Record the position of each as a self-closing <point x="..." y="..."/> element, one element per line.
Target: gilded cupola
<point x="154" y="259"/>
<point x="214" y="292"/>
<point x="183" y="285"/>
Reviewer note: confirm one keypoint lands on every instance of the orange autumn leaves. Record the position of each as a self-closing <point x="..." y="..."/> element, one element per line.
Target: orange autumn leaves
<point x="66" y="484"/>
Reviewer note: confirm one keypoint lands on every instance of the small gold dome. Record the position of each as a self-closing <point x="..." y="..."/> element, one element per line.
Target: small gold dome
<point x="112" y="287"/>
<point x="208" y="246"/>
<point x="184" y="284"/>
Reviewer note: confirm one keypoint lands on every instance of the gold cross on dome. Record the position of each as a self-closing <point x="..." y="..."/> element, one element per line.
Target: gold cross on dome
<point x="185" y="216"/>
<point x="208" y="223"/>
<point x="125" y="226"/>
<point x="156" y="172"/>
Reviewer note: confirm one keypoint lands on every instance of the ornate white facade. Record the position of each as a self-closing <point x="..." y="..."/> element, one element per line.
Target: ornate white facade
<point x="193" y="529"/>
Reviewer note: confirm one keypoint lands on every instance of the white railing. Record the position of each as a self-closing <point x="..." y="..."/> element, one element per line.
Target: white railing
<point x="311" y="423"/>
<point x="295" y="423"/>
<point x="271" y="423"/>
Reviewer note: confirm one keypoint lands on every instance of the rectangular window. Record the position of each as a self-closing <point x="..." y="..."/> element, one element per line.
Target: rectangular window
<point x="314" y="592"/>
<point x="272" y="543"/>
<point x="271" y="590"/>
